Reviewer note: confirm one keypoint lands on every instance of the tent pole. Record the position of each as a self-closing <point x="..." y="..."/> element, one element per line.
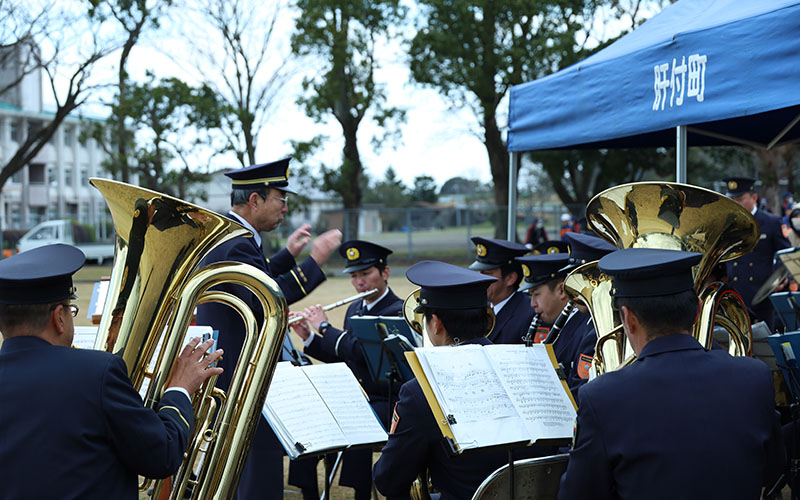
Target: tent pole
<point x="513" y="160"/>
<point x="680" y="154"/>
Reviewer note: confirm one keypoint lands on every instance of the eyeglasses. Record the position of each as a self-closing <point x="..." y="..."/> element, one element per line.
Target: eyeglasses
<point x="284" y="200"/>
<point x="73" y="308"/>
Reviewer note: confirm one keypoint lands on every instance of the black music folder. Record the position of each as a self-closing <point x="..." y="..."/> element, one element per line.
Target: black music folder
<point x="372" y="331"/>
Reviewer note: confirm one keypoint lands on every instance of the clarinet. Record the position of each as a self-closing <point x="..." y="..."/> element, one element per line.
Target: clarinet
<point x="535" y="322"/>
<point x="558" y="324"/>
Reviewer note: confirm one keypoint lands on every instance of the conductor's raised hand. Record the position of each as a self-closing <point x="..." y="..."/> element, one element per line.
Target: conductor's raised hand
<point x="191" y="369"/>
<point x="298" y="240"/>
<point x="324" y="245"/>
<point x="300" y="327"/>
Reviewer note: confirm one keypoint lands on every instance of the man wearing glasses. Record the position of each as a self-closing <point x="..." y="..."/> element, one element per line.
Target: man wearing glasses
<point x="258" y="199"/>
<point x="73" y="426"/>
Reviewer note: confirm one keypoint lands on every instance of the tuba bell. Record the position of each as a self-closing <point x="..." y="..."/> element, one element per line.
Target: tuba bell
<point x="153" y="291"/>
<point x="680" y="217"/>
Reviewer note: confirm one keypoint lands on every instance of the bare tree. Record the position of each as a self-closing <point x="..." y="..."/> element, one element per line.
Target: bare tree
<point x="73" y="45"/>
<point x="245" y="66"/>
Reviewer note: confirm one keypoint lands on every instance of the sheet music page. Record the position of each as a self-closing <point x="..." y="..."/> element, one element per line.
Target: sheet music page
<point x="468" y="388"/>
<point x="534" y="387"/>
<point x="297" y="413"/>
<point x="346" y="400"/>
<point x="84" y="337"/>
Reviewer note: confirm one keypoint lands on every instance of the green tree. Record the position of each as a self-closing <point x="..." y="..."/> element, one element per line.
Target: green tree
<point x="175" y="123"/>
<point x="134" y="17"/>
<point x="424" y="189"/>
<point x="342" y="35"/>
<point x="393" y="194"/>
<point x="473" y="51"/>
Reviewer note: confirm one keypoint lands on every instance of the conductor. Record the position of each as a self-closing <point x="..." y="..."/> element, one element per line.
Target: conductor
<point x="73" y="426"/>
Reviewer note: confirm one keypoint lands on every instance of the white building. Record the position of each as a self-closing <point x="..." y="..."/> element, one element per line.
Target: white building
<point x="54" y="185"/>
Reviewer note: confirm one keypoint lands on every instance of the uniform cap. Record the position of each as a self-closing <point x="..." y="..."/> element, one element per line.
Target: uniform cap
<point x="263" y="175"/>
<point x="553" y="246"/>
<point x="362" y="255"/>
<point x="491" y="253"/>
<point x="539" y="269"/>
<point x="649" y="272"/>
<point x="40" y="276"/>
<point x="737" y="186"/>
<point x="584" y="248"/>
<point x="445" y="286"/>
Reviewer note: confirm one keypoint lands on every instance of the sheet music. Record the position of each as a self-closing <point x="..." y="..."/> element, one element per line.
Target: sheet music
<point x="84" y="337"/>
<point x="298" y="414"/>
<point x="468" y="387"/>
<point x="537" y="393"/>
<point x="346" y="400"/>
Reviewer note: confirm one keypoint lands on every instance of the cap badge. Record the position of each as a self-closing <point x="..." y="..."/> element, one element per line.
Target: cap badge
<point x="732" y="185"/>
<point x="353" y="253"/>
<point x="481" y="250"/>
<point x="552" y="250"/>
<point x="526" y="270"/>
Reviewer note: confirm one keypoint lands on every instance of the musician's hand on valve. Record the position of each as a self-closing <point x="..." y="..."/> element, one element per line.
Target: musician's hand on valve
<point x="300" y="327"/>
<point x="324" y="245"/>
<point x="315" y="315"/>
<point x="298" y="240"/>
<point x="192" y="367"/>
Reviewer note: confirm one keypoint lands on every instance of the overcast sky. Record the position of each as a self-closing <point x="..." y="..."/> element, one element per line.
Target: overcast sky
<point x="435" y="140"/>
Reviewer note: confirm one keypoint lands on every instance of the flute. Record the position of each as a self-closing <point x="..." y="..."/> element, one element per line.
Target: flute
<point x="337" y="304"/>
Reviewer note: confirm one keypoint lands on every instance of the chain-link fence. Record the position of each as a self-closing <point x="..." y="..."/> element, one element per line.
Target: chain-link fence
<point x="441" y="233"/>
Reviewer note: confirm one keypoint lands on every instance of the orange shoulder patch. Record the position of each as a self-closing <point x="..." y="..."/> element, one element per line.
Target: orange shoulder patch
<point x="584" y="365"/>
<point x="541" y="334"/>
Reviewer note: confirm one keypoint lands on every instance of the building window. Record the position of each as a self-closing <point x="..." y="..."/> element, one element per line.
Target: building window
<point x="84" y="180"/>
<point x="16" y="178"/>
<point x="52" y="212"/>
<point x="68" y="175"/>
<point x="52" y="175"/>
<point x="36" y="173"/>
<point x="15" y="131"/>
<point x="34" y="127"/>
<point x="69" y="136"/>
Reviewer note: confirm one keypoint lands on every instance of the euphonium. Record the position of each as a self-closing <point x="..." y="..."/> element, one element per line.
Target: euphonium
<point x="154" y="289"/>
<point x="689" y="218"/>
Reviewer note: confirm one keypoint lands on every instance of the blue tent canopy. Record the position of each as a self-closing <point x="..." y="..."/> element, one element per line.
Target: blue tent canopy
<point x="728" y="70"/>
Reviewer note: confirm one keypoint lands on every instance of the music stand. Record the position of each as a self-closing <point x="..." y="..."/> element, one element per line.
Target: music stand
<point x="787" y="305"/>
<point x="786" y="347"/>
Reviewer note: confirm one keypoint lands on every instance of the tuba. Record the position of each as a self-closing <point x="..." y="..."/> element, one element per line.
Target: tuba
<point x="153" y="291"/>
<point x="679" y="217"/>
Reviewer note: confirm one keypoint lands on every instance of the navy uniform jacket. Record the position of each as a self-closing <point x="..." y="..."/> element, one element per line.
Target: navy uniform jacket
<point x="295" y="281"/>
<point x="513" y="320"/>
<point x="73" y="427"/>
<point x="417" y="444"/>
<point x="747" y="273"/>
<point x="338" y="345"/>
<point x="263" y="470"/>
<point x="577" y="338"/>
<point x="680" y="422"/>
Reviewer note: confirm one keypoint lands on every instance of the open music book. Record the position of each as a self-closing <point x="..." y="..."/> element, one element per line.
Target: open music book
<point x="318" y="408"/>
<point x="495" y="395"/>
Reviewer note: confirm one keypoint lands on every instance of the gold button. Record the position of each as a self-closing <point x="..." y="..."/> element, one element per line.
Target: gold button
<point x="735" y="278"/>
<point x="751" y="278"/>
<point x="735" y="264"/>
<point x="751" y="264"/>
